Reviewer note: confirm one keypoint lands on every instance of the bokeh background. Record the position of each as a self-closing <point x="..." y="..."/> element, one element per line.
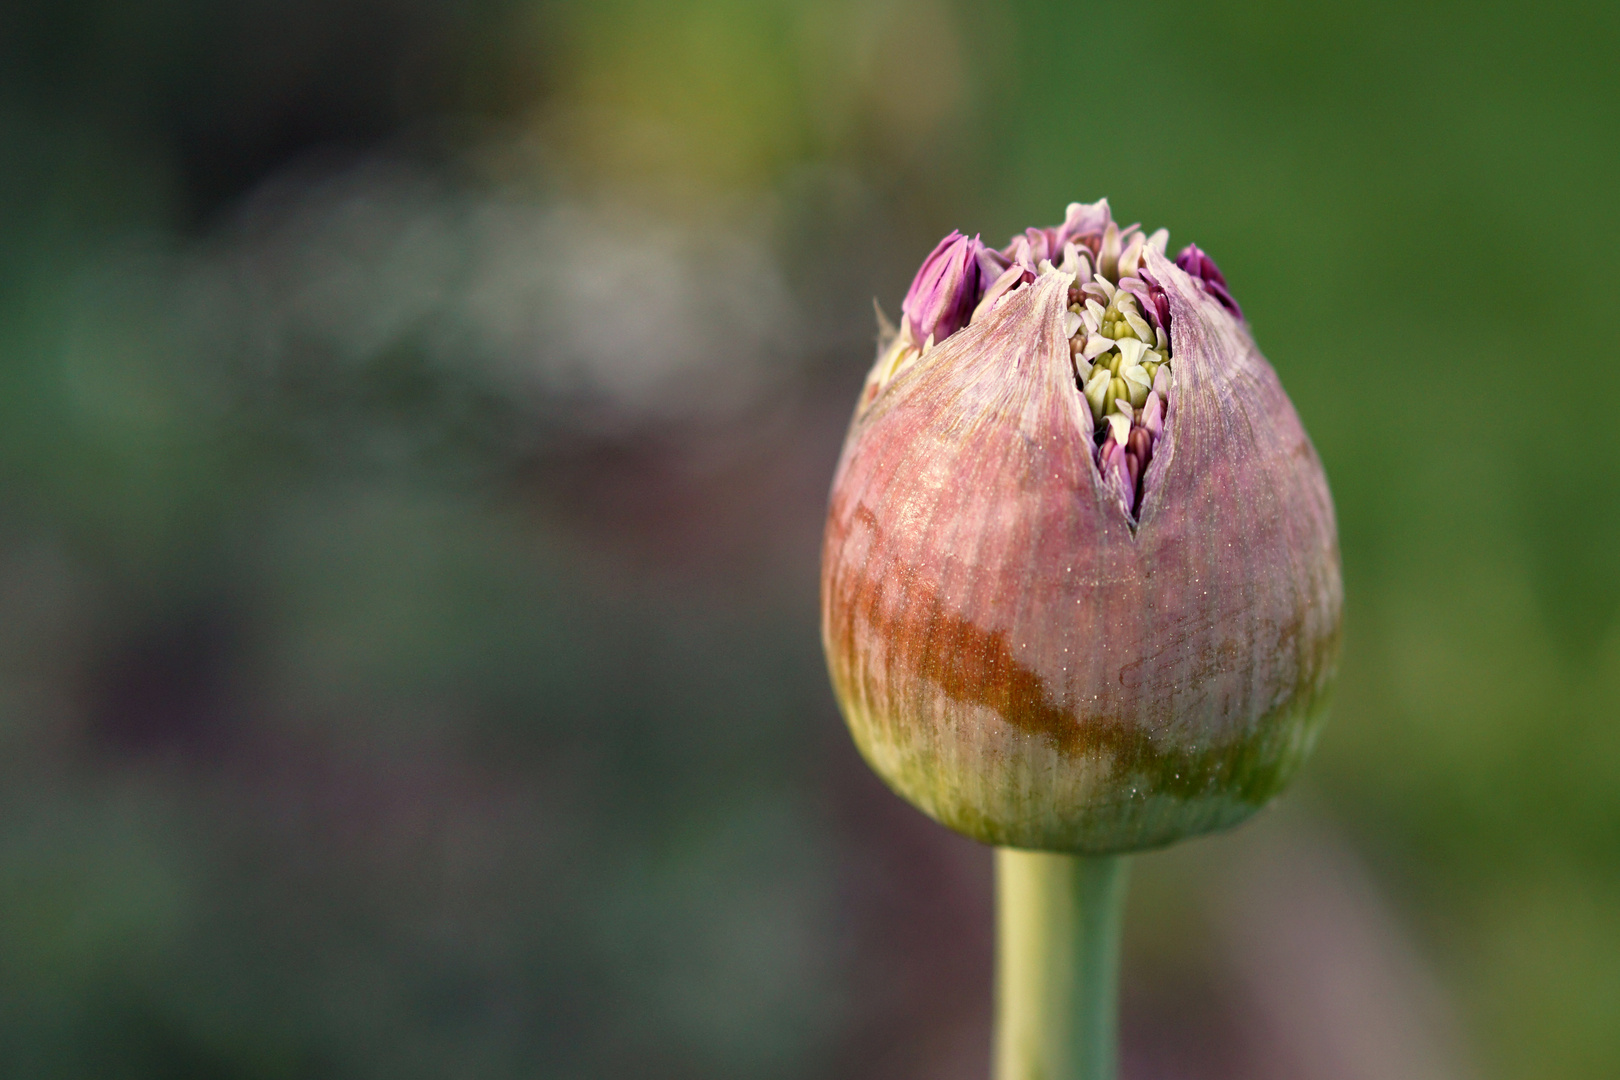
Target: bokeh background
<point x="415" y="424"/>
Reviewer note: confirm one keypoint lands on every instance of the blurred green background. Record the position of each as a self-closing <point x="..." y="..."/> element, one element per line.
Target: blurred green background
<point x="415" y="423"/>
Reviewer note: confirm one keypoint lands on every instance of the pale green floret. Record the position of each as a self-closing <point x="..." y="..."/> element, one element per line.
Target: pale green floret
<point x="1097" y="393"/>
<point x="1137" y="384"/>
<point x="1139" y="325"/>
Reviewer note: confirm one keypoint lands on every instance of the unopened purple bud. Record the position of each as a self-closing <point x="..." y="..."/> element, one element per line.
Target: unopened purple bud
<point x="945" y="290"/>
<point x="1024" y="252"/>
<point x="1201" y="267"/>
<point x="1153" y="413"/>
<point x="992" y="264"/>
<point x="1159" y="302"/>
<point x="1084" y="223"/>
<point x="1043" y="245"/>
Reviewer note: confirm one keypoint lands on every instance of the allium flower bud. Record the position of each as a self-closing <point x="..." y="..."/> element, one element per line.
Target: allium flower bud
<point x="1080" y="581"/>
<point x="942" y="295"/>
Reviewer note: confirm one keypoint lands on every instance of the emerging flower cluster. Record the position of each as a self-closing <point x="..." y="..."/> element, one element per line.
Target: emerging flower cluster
<point x="1118" y="323"/>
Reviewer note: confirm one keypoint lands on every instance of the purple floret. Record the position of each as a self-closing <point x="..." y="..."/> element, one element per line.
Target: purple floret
<point x="1199" y="265"/>
<point x="941" y="298"/>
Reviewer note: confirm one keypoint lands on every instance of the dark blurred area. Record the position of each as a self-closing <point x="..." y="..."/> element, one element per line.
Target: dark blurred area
<point x="415" y="424"/>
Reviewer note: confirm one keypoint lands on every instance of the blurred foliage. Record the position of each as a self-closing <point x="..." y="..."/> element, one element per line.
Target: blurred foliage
<point x="408" y="663"/>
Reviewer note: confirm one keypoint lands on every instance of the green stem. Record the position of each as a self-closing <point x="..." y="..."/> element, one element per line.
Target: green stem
<point x="1057" y="965"/>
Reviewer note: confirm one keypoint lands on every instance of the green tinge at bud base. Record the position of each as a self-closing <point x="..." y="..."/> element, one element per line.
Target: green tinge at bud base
<point x="1025" y="661"/>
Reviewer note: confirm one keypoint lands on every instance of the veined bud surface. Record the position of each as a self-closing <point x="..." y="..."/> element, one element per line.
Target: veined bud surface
<point x="1080" y="579"/>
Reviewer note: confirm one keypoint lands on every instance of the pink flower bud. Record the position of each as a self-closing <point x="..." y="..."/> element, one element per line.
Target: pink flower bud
<point x="1068" y="602"/>
<point x="944" y="291"/>
<point x="1202" y="268"/>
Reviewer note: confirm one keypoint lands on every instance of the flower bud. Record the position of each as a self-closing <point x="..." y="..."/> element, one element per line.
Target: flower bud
<point x="1080" y="579"/>
<point x="1201" y="268"/>
<point x="944" y="291"/>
